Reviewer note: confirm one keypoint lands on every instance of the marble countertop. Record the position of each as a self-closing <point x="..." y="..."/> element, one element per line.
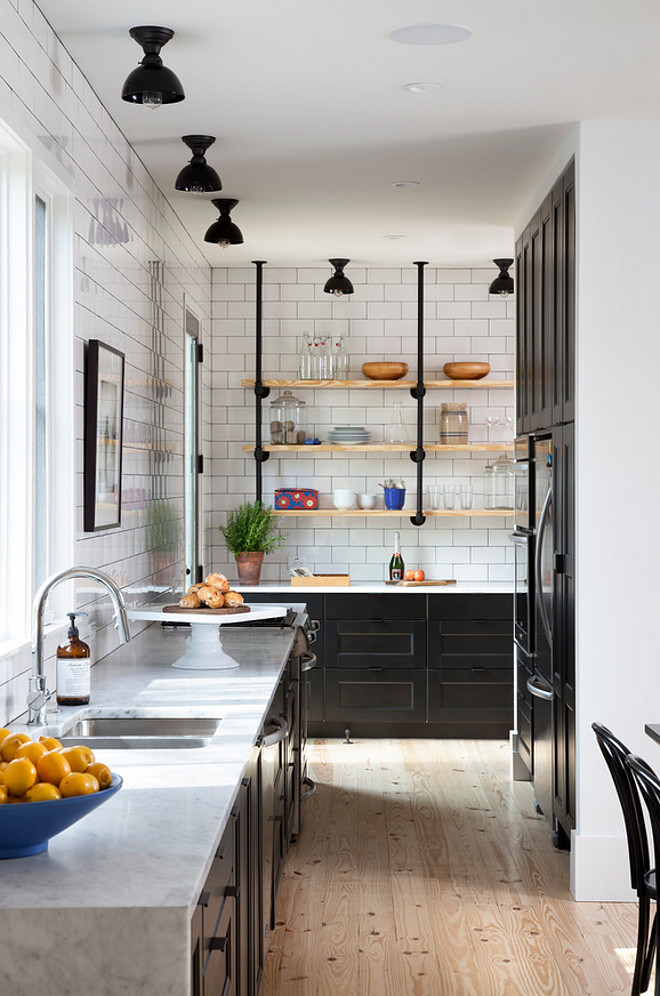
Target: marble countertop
<point x="375" y="587"/>
<point x="149" y="848"/>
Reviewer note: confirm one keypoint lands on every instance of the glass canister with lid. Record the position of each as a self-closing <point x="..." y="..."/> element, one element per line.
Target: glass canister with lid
<point x="498" y="483"/>
<point x="287" y="420"/>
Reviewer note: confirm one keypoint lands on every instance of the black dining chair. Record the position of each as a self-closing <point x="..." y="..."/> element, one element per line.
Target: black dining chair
<point x="642" y="876"/>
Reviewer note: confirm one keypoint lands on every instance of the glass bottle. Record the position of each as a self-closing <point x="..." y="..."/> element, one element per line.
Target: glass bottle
<point x="397" y="566"/>
<point x="339" y="358"/>
<point x="454" y="423"/>
<point x="317" y="360"/>
<point x="305" y="358"/>
<point x="327" y="367"/>
<point x="397" y="431"/>
<point x="73" y="667"/>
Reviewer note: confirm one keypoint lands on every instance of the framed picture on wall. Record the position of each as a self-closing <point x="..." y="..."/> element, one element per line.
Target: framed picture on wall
<point x="104" y="410"/>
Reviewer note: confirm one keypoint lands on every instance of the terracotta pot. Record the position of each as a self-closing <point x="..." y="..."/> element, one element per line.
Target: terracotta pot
<point x="249" y="567"/>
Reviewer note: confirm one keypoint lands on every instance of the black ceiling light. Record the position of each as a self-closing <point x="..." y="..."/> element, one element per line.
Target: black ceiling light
<point x="223" y="231"/>
<point x="338" y="284"/>
<point x="503" y="283"/>
<point x="152" y="83"/>
<point x="198" y="177"/>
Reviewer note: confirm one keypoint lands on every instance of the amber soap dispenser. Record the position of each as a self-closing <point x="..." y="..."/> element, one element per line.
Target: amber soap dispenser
<point x="73" y="667"/>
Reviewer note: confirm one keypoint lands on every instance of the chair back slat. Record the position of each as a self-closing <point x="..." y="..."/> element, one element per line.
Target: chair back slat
<point x="625" y="783"/>
<point x="649" y="786"/>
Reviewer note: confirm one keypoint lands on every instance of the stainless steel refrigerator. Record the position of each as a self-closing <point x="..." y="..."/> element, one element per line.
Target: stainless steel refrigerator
<point x="534" y="613"/>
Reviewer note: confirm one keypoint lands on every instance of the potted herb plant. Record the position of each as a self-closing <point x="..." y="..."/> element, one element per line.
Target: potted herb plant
<point x="250" y="533"/>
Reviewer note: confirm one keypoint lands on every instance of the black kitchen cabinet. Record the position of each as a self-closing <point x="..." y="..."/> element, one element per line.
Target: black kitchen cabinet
<point x="413" y="665"/>
<point x="214" y="956"/>
<point x="470" y="672"/>
<point x="545" y="311"/>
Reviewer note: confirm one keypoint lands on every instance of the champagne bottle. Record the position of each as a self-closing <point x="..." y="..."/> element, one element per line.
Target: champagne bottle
<point x="396" y="563"/>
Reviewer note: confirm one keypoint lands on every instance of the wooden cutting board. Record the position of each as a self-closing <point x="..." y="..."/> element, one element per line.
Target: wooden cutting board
<point x="414" y="584"/>
<point x="230" y="610"/>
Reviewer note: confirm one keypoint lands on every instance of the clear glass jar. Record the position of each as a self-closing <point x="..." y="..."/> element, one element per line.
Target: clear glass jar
<point x="287" y="420"/>
<point x="498" y="483"/>
<point x="454" y="423"/>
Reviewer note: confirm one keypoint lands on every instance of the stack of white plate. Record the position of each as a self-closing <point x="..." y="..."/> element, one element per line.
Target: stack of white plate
<point x="348" y="434"/>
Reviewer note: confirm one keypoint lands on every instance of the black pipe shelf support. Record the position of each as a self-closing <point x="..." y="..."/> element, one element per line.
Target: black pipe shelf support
<point x="418" y="392"/>
<point x="260" y="392"/>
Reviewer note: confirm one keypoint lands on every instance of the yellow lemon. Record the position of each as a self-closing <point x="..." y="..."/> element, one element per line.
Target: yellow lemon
<point x="3" y="794"/>
<point x="19" y="775"/>
<point x="31" y="750"/>
<point x="79" y="757"/>
<point x="78" y="783"/>
<point x="43" y="792"/>
<point x="102" y="774"/>
<point x="11" y="744"/>
<point x="50" y="743"/>
<point x="53" y="767"/>
<point x="4" y="732"/>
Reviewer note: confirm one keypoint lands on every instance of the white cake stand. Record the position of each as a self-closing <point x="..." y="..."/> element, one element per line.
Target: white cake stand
<point x="205" y="652"/>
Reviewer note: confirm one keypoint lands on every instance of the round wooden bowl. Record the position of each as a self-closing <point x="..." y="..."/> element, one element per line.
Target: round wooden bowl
<point x="384" y="370"/>
<point x="466" y="371"/>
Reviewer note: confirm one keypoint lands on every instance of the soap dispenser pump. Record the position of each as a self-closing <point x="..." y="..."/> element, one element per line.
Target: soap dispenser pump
<point x="73" y="667"/>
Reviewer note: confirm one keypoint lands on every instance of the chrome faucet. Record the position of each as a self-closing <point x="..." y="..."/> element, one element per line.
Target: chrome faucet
<point x="38" y="693"/>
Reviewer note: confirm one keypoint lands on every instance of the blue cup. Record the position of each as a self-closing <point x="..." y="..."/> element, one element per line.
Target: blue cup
<point x="394" y="498"/>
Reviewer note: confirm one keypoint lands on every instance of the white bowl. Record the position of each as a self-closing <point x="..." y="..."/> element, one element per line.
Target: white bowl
<point x="366" y="501"/>
<point x="343" y="499"/>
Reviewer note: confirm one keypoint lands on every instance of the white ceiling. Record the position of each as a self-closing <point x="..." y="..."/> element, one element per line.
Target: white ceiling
<point x="313" y="125"/>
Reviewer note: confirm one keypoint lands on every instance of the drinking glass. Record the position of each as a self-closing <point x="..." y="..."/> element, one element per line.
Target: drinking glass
<point x="491" y="422"/>
<point x="449" y="496"/>
<point x="466" y="495"/>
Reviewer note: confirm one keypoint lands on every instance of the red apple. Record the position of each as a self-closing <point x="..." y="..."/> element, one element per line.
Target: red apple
<point x="409" y="576"/>
<point x="419" y="575"/>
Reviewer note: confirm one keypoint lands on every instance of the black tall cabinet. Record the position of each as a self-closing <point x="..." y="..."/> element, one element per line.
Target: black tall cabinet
<point x="545" y="390"/>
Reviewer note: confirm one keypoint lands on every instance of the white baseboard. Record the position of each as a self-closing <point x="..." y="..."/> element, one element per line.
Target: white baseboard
<point x="600" y="871"/>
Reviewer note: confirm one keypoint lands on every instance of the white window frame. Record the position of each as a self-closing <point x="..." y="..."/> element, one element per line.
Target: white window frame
<point x="24" y="171"/>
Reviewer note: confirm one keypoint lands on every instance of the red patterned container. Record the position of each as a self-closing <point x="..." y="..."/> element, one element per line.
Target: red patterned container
<point x="296" y="498"/>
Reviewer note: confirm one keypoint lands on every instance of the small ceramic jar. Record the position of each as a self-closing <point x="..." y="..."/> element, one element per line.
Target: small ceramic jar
<point x="453" y="423"/>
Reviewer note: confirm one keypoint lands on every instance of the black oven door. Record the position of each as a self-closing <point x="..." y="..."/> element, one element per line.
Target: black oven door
<point x="523" y="607"/>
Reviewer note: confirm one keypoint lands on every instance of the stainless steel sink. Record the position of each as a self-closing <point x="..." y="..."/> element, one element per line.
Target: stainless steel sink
<point x="146" y="733"/>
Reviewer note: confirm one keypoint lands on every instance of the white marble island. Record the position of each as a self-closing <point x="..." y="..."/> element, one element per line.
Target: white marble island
<point x="106" y="909"/>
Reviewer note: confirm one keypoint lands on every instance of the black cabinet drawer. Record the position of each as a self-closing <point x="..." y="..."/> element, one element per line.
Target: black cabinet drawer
<point x="381" y="606"/>
<point x="481" y="644"/>
<point x="472" y="607"/>
<point x="477" y="676"/>
<point x="220" y="968"/>
<point x="384" y="643"/>
<point x="376" y="696"/>
<point x="490" y="702"/>
<point x="220" y="878"/>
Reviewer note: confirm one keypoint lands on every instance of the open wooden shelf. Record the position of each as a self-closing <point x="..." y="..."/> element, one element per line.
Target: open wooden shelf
<point x="382" y="513"/>
<point x="380" y="447"/>
<point x="484" y="382"/>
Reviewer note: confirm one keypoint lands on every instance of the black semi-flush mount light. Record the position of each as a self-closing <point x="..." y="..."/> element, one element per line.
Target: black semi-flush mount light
<point x="152" y="83"/>
<point x="223" y="231"/>
<point x="338" y="284"/>
<point x="503" y="283"/>
<point x="198" y="177"/>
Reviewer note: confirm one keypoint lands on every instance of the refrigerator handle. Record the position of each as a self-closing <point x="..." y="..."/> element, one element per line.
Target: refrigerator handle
<point x="543" y="523"/>
<point x="535" y="688"/>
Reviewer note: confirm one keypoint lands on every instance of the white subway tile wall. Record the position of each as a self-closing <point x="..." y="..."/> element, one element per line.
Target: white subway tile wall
<point x="379" y="322"/>
<point x="134" y="262"/>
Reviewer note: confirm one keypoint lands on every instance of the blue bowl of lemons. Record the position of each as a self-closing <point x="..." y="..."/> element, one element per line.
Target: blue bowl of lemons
<point x="46" y="788"/>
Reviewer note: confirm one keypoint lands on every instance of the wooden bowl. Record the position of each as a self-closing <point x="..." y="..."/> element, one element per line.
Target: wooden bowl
<point x="384" y="370"/>
<point x="466" y="371"/>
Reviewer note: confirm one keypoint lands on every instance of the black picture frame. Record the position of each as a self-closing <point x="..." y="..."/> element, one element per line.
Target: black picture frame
<point x="104" y="417"/>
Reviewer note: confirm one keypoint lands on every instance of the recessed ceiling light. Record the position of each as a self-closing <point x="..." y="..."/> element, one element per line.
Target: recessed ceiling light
<point x="406" y="183"/>
<point x="422" y="87"/>
<point x="430" y="34"/>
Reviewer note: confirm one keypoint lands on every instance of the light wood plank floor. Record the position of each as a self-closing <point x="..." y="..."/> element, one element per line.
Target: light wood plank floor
<point x="423" y="871"/>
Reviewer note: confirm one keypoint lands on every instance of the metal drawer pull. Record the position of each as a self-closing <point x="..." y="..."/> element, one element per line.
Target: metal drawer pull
<point x="314" y="625"/>
<point x="278" y="736"/>
<point x="309" y="661"/>
<point x="218" y="943"/>
<point x="204" y="899"/>
<point x="538" y="690"/>
<point x="478" y="669"/>
<point x="233" y="891"/>
<point x="220" y="853"/>
<point x="309" y="790"/>
<point x="311" y="638"/>
<point x="376" y="669"/>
